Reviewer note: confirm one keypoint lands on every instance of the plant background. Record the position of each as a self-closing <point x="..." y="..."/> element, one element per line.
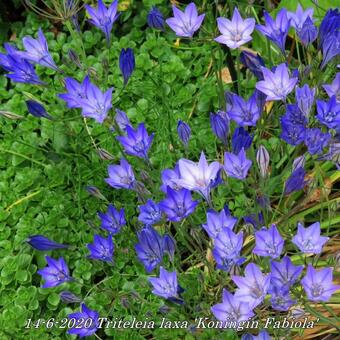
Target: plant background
<point x="45" y="167"/>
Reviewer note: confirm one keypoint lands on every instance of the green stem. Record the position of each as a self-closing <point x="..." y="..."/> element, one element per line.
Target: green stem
<point x="77" y="38"/>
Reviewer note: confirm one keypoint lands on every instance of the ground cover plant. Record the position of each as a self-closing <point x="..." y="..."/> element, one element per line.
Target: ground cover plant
<point x="169" y="170"/>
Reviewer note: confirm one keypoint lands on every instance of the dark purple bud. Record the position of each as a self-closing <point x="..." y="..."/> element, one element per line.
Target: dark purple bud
<point x="37" y="110"/>
<point x="220" y="126"/>
<point x="330" y="47"/>
<point x="94" y="191"/>
<point x="164" y="309"/>
<point x="42" y="243"/>
<point x="155" y="19"/>
<point x="126" y="63"/>
<point x="169" y="245"/>
<point x="308" y="32"/>
<point x="253" y="62"/>
<point x="183" y="130"/>
<point x="74" y="57"/>
<point x="330" y="23"/>
<point x="296" y="181"/>
<point x="68" y="297"/>
<point x="241" y="139"/>
<point x="105" y="155"/>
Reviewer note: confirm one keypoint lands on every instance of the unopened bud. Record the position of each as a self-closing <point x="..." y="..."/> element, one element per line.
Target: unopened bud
<point x="105" y="155"/>
<point x="262" y="158"/>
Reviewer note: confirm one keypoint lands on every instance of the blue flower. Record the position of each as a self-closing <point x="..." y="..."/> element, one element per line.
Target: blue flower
<point x="183" y="130"/>
<point x="155" y="19"/>
<point x="75" y="92"/>
<point x="308" y="32"/>
<point x="113" y="220"/>
<point x="304" y="99"/>
<point x="328" y="112"/>
<point x="37" y="110"/>
<point x="316" y="140"/>
<point x="101" y="249"/>
<point x="43" y="243"/>
<point x="240" y="139"/>
<point x="237" y="166"/>
<point x="219" y="123"/>
<point x="296" y="181"/>
<point x="291" y="133"/>
<point x="150" y="213"/>
<point x="126" y="63"/>
<point x="121" y="176"/>
<point x="330" y="47"/>
<point x="253" y="62"/>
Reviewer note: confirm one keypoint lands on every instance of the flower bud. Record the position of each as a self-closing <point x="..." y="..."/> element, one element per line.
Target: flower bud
<point x="169" y="245"/>
<point x="262" y="158"/>
<point x="155" y="19"/>
<point x="68" y="297"/>
<point x="105" y="155"/>
<point x="299" y="162"/>
<point x="183" y="130"/>
<point x="126" y="63"/>
<point x="220" y="126"/>
<point x="94" y="191"/>
<point x="37" y="110"/>
<point x="74" y="57"/>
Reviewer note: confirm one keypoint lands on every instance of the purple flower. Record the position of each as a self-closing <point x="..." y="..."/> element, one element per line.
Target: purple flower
<point x="308" y="32"/>
<point x="316" y="140"/>
<point x="254" y="62"/>
<point x="293" y="134"/>
<point x="101" y="249"/>
<point x="126" y="63"/>
<point x="21" y="70"/>
<point x="308" y="240"/>
<point x="112" y="220"/>
<point x="298" y="18"/>
<point x="268" y="242"/>
<point x="186" y="23"/>
<point x="178" y="204"/>
<point x="37" y="110"/>
<point x="333" y="154"/>
<point x="232" y="308"/>
<point x="280" y="298"/>
<point x="200" y="177"/>
<point x="304" y="99"/>
<point x="227" y="249"/>
<point x="253" y="287"/>
<point x="334" y="88"/>
<point x="237" y="166"/>
<point x="296" y="181"/>
<point x="103" y="17"/>
<point x="169" y="179"/>
<point x="55" y="273"/>
<point x="284" y="273"/>
<point x="150" y="213"/>
<point x="219" y="123"/>
<point x="294" y="115"/>
<point x="328" y="112"/>
<point x="96" y="103"/>
<point x="263" y="335"/>
<point x="155" y="19"/>
<point x="330" y="23"/>
<point x="216" y="221"/>
<point x="244" y="113"/>
<point x="75" y="92"/>
<point x="262" y="159"/>
<point x="169" y="245"/>
<point x="86" y="328"/>
<point x="330" y="47"/>
<point x="240" y="139"/>
<point x="235" y="32"/>
<point x="166" y="285"/>
<point x="122" y="119"/>
<point x="277" y="30"/>
<point x="136" y="142"/>
<point x="121" y="176"/>
<point x="183" y="130"/>
<point x="37" y="51"/>
<point x="276" y="85"/>
<point x="150" y="249"/>
<point x="69" y="297"/>
<point x="256" y="220"/>
<point x="318" y="284"/>
<point x="42" y="243"/>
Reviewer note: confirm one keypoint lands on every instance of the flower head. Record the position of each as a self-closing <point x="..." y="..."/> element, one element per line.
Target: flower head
<point x="178" y="204"/>
<point x="37" y="51"/>
<point x="328" y="112"/>
<point x="334" y="88"/>
<point x="219" y="123"/>
<point x="121" y="176"/>
<point x="296" y="181"/>
<point x="216" y="221"/>
<point x="137" y="142"/>
<point x="253" y="287"/>
<point x="305" y="98"/>
<point x="150" y="213"/>
<point x="122" y="119"/>
<point x="244" y="113"/>
<point x="235" y="32"/>
<point x="112" y="221"/>
<point x="330" y="47"/>
<point x="55" y="273"/>
<point x="280" y="298"/>
<point x="330" y="23"/>
<point x="237" y="166"/>
<point x="79" y="327"/>
<point x="184" y="131"/>
<point x="126" y="63"/>
<point x="103" y="17"/>
<point x="43" y="243"/>
<point x="308" y="32"/>
<point x="186" y="23"/>
<point x="268" y="242"/>
<point x="169" y="179"/>
<point x="277" y="30"/>
<point x="101" y="249"/>
<point x="232" y="308"/>
<point x="75" y="92"/>
<point x="240" y="139"/>
<point x="37" y="110"/>
<point x="150" y="249"/>
<point x="276" y="85"/>
<point x="155" y="19"/>
<point x="318" y="284"/>
<point x="316" y="140"/>
<point x="298" y="18"/>
<point x="308" y="240"/>
<point x="166" y="285"/>
<point x="291" y="133"/>
<point x="200" y="177"/>
<point x="254" y="62"/>
<point x="284" y="273"/>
